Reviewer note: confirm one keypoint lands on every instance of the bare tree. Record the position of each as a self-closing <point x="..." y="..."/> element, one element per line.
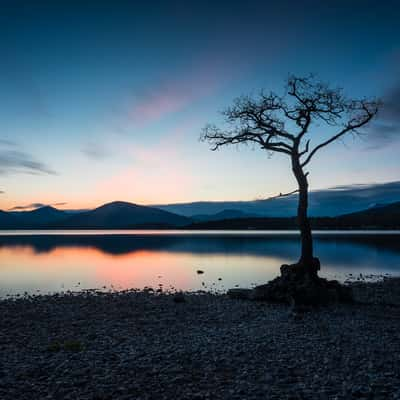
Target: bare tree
<point x="293" y="125"/>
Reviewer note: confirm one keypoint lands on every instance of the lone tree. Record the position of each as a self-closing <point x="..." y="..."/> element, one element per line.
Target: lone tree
<point x="293" y="124"/>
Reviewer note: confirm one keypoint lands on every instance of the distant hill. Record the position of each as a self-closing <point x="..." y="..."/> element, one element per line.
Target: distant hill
<point x="115" y="215"/>
<point x="40" y="217"/>
<point x="225" y="214"/>
<point x="35" y="219"/>
<point x="122" y="215"/>
<point x="322" y="203"/>
<point x="379" y="217"/>
<point x="7" y="221"/>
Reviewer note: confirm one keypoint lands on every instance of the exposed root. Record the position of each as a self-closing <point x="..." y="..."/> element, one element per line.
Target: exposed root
<point x="300" y="285"/>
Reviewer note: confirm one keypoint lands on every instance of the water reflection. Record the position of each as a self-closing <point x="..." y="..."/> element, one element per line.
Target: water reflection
<point x="63" y="262"/>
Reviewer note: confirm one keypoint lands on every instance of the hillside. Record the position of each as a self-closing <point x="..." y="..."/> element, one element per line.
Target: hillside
<point x="122" y="215"/>
<point x="7" y="221"/>
<point x="224" y="214"/>
<point x="322" y="203"/>
<point x="387" y="216"/>
<point x="382" y="217"/>
<point x="40" y="217"/>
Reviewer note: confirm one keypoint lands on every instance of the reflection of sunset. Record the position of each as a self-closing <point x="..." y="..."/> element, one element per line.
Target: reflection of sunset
<point x="68" y="263"/>
<point x="64" y="267"/>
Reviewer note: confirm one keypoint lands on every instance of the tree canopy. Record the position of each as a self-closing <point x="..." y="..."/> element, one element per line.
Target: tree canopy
<point x="283" y="123"/>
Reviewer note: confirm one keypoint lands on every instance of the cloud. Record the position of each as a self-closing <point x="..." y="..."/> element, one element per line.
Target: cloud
<point x="2" y="191"/>
<point x="157" y="103"/>
<point x="34" y="206"/>
<point x="174" y="94"/>
<point x="21" y="87"/>
<point x="391" y="108"/>
<point x="17" y="161"/>
<point x="4" y="142"/>
<point x="27" y="207"/>
<point x="354" y="186"/>
<point x="362" y="190"/>
<point x="386" y="128"/>
<point x="95" y="151"/>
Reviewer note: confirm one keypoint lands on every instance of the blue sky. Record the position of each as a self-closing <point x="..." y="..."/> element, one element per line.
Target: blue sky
<point x="106" y="100"/>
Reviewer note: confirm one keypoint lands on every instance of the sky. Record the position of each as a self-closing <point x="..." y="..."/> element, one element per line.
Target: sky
<point x="105" y="100"/>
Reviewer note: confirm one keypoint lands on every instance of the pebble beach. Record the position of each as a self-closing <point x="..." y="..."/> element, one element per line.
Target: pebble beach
<point x="147" y="345"/>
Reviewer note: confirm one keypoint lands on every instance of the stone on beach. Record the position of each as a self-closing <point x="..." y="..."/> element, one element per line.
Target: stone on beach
<point x="179" y="297"/>
<point x="139" y="344"/>
<point x="239" y="293"/>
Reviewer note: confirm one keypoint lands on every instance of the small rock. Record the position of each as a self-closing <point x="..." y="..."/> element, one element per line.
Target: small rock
<point x="179" y="298"/>
<point x="239" y="293"/>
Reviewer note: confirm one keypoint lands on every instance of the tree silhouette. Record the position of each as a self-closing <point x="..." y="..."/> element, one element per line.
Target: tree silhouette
<point x="293" y="124"/>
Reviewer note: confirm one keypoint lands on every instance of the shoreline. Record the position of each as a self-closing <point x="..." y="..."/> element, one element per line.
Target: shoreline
<point x="183" y="231"/>
<point x="145" y="345"/>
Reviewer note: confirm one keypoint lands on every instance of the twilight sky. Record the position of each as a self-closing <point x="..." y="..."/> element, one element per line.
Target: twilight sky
<point x="105" y="100"/>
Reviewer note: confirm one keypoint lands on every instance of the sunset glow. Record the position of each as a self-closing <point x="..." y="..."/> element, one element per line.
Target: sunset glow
<point x="114" y="112"/>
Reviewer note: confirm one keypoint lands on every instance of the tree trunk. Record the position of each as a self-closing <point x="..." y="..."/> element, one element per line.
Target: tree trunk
<point x="306" y="260"/>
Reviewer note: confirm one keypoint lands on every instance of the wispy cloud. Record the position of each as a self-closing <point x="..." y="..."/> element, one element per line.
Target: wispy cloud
<point x="386" y="128"/>
<point x="156" y="103"/>
<point x="19" y="161"/>
<point x="34" y="206"/>
<point x="174" y="94"/>
<point x="20" y="81"/>
<point x="354" y="186"/>
<point x="359" y="191"/>
<point x="5" y="142"/>
<point x="13" y="160"/>
<point x="95" y="151"/>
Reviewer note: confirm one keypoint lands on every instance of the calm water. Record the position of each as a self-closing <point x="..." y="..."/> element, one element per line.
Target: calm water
<point x="48" y="261"/>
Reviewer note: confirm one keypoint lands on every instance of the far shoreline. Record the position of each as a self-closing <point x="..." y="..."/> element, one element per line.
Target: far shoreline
<point x="194" y="232"/>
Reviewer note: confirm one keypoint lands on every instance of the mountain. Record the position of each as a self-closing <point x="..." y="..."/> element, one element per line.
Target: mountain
<point x="122" y="215"/>
<point x="328" y="202"/>
<point x="7" y="221"/>
<point x="381" y="217"/>
<point x="225" y="214"/>
<point x="40" y="217"/>
<point x="341" y="207"/>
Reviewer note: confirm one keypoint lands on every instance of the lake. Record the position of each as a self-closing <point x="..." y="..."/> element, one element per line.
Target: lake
<point x="56" y="261"/>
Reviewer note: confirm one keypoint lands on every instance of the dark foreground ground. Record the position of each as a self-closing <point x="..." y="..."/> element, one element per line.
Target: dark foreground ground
<point x="138" y="345"/>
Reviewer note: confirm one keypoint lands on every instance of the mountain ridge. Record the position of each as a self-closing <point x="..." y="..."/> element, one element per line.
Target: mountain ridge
<point x="325" y="205"/>
<point x="42" y="215"/>
<point x="122" y="215"/>
<point x="384" y="217"/>
<point x="322" y="203"/>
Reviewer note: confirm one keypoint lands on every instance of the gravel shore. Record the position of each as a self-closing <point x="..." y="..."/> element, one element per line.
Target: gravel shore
<point x="141" y="345"/>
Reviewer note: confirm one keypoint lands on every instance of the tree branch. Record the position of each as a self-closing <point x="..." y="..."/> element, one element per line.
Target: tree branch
<point x="369" y="109"/>
<point x="263" y="120"/>
<point x="282" y="195"/>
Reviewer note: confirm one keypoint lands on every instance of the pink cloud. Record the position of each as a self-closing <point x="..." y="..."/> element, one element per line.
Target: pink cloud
<point x="176" y="94"/>
<point x="157" y="104"/>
